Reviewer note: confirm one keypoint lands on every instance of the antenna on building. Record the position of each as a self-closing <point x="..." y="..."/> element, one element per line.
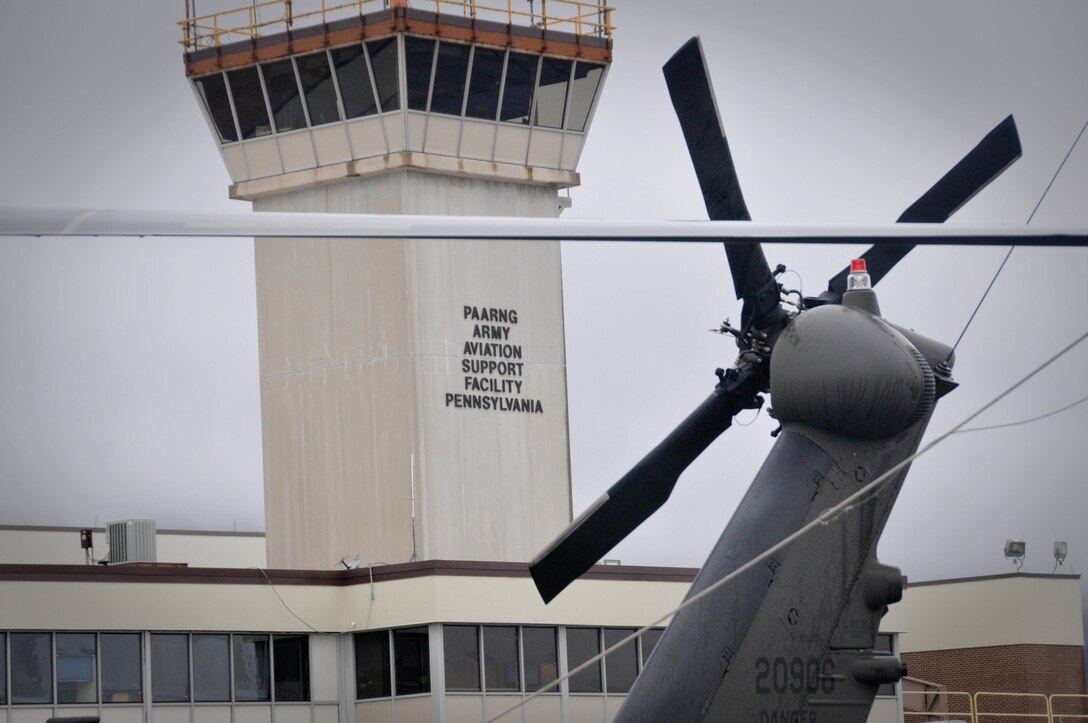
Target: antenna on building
<point x="415" y="554"/>
<point x="1061" y="549"/>
<point x="1016" y="550"/>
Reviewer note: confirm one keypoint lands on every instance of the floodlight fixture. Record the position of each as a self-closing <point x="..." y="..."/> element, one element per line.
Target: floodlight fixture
<point x="1015" y="550"/>
<point x="1061" y="549"/>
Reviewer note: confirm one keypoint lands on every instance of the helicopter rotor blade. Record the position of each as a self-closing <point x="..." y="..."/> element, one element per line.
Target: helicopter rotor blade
<point x="640" y="492"/>
<point x="998" y="150"/>
<point x="688" y="80"/>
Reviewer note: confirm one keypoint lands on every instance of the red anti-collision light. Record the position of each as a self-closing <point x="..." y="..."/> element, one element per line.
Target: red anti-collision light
<point x="857" y="265"/>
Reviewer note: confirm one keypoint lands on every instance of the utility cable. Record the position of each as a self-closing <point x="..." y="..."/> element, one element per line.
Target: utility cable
<point x="1055" y="176"/>
<point x="1026" y="223"/>
<point x="1082" y="400"/>
<point x="979" y="304"/>
<point x="826" y="517"/>
<point x="288" y="607"/>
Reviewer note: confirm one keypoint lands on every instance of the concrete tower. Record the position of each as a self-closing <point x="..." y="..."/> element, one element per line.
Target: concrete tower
<point x="413" y="393"/>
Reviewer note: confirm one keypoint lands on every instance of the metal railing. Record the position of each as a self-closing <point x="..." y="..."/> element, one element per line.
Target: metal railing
<point x="1060" y="704"/>
<point x="580" y="17"/>
<point x="1008" y="707"/>
<point x="989" y="706"/>
<point x="939" y="705"/>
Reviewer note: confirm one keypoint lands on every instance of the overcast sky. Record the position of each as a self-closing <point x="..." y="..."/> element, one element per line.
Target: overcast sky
<point x="130" y="382"/>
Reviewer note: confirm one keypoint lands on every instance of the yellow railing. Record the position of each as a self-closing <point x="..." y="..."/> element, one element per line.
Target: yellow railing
<point x="960" y="706"/>
<point x="1061" y="703"/>
<point x="1008" y="700"/>
<point x="581" y="17"/>
<point x="987" y="706"/>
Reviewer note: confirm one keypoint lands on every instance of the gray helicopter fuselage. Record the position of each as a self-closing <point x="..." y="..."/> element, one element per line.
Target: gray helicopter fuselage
<point x="791" y="640"/>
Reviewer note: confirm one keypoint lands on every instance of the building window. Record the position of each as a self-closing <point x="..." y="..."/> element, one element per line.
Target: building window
<point x="551" y="96"/>
<point x="383" y="60"/>
<point x="291" y="667"/>
<point x="76" y="679"/>
<point x="213" y="91"/>
<point x="251" y="680"/>
<point x="31" y="668"/>
<point x="620" y="666"/>
<point x="418" y="60"/>
<point x="483" y="89"/>
<point x="122" y="681"/>
<point x="587" y="78"/>
<point x="283" y="95"/>
<point x="517" y="94"/>
<point x="412" y="660"/>
<point x="245" y="88"/>
<point x="211" y="668"/>
<point x="649" y="641"/>
<point x="501" y="658"/>
<point x="372" y="665"/>
<point x="541" y="657"/>
<point x="461" y="645"/>
<point x="353" y="77"/>
<point x="169" y="668"/>
<point x="3" y="670"/>
<point x="583" y="644"/>
<point x="450" y="76"/>
<point x="318" y="88"/>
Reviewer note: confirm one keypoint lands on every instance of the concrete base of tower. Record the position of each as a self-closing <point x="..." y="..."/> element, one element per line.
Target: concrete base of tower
<point x="413" y="393"/>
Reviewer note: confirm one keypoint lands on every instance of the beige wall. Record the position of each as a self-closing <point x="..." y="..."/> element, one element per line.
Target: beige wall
<point x="981" y="612"/>
<point x="60" y="546"/>
<point x="361" y="341"/>
<point x="30" y="605"/>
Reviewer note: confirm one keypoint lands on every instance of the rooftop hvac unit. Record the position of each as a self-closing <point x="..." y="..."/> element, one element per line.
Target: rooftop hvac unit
<point x="131" y="541"/>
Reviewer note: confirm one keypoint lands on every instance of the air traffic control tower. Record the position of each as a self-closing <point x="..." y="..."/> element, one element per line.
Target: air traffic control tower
<point x="413" y="393"/>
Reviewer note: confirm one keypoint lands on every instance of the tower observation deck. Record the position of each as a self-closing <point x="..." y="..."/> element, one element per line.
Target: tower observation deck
<point x="413" y="393"/>
<point x="303" y="96"/>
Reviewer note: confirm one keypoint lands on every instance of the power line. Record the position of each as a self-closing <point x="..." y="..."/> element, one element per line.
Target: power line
<point x="1026" y="421"/>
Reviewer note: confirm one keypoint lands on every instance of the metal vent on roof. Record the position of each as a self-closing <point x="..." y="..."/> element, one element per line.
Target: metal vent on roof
<point x="131" y="541"/>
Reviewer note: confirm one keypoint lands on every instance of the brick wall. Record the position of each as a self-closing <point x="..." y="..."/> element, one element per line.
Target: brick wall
<point x="1044" y="669"/>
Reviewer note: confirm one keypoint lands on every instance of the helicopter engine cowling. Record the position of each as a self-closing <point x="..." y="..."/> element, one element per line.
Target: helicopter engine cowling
<point x="848" y="372"/>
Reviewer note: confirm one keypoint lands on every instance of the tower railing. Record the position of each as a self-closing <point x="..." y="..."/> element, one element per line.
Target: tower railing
<point x="579" y="17"/>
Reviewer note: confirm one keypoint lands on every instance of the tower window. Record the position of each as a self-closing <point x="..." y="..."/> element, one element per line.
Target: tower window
<point x="213" y="91"/>
<point x="587" y="78"/>
<point x="356" y="90"/>
<point x="383" y="60"/>
<point x="551" y="99"/>
<point x="419" y="59"/>
<point x="483" y="91"/>
<point x="283" y="95"/>
<point x="318" y="89"/>
<point x="517" y="94"/>
<point x="450" y="75"/>
<point x="245" y="87"/>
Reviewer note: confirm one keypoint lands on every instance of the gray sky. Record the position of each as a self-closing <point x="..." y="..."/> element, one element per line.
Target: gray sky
<point x="130" y="384"/>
